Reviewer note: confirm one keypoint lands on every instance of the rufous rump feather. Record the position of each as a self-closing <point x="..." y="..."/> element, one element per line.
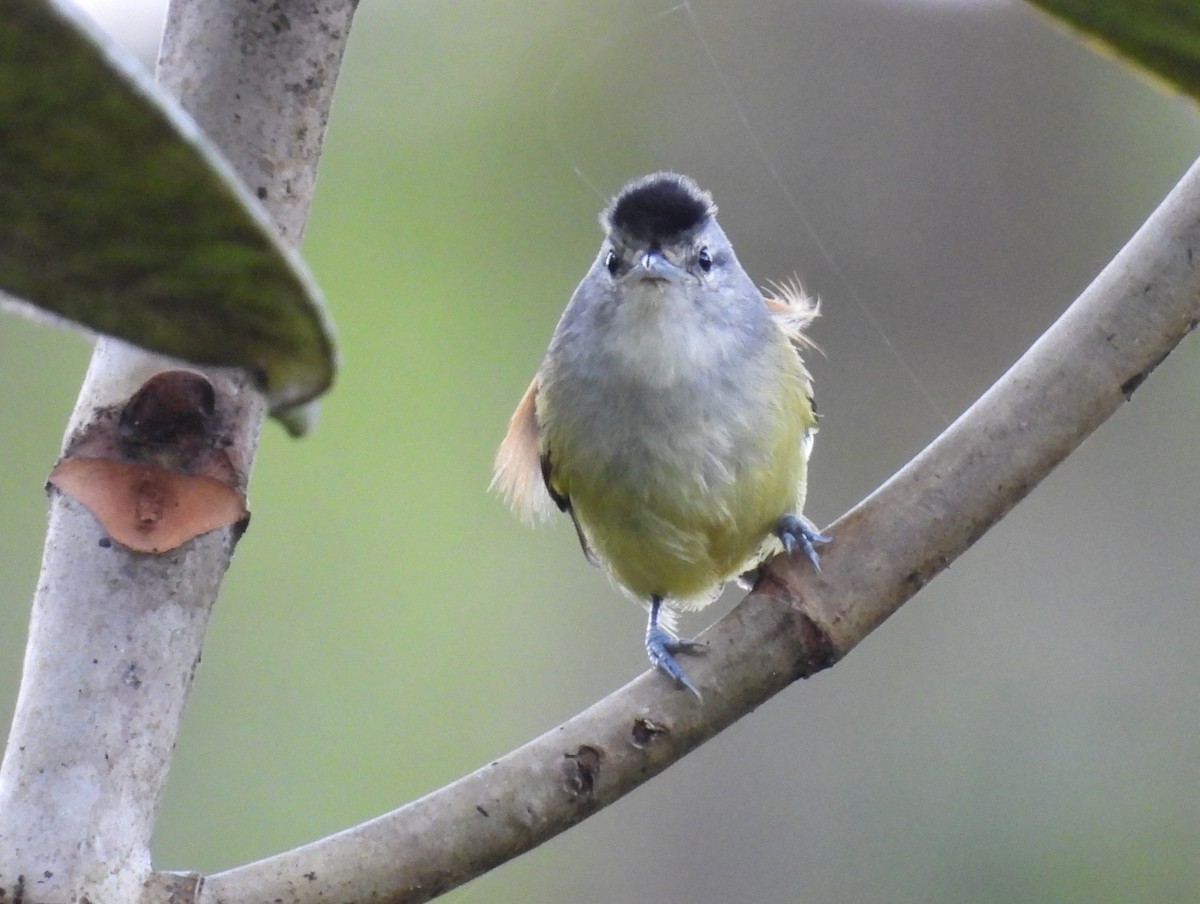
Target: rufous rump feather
<point x="517" y="472"/>
<point x="794" y="310"/>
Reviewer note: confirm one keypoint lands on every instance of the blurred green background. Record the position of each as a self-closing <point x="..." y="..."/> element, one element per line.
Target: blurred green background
<point x="947" y="177"/>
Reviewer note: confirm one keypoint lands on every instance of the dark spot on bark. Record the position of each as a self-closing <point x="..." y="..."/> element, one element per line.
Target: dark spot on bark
<point x="1130" y="385"/>
<point x="818" y="652"/>
<point x="646" y="732"/>
<point x="240" y="527"/>
<point x="171" y="411"/>
<point x="581" y="770"/>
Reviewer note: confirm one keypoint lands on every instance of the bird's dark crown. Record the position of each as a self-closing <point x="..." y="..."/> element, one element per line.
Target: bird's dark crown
<point x="658" y="208"/>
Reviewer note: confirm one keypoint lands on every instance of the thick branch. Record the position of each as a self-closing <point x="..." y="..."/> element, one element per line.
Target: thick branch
<point x="795" y="622"/>
<point x="115" y="635"/>
<point x="259" y="79"/>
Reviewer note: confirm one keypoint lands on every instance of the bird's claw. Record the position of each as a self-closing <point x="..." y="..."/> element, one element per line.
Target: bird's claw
<point x="797" y="532"/>
<point x="660" y="645"/>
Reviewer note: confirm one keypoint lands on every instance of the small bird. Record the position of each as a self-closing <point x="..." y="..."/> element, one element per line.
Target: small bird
<point x="672" y="417"/>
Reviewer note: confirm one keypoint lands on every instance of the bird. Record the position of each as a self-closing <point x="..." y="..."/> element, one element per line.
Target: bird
<point x="672" y="417"/>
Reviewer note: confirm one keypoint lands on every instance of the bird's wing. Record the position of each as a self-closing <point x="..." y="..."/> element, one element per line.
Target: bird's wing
<point x="562" y="499"/>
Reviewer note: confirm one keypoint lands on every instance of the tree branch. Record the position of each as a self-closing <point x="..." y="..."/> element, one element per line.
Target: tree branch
<point x="795" y="622"/>
<point x="115" y="635"/>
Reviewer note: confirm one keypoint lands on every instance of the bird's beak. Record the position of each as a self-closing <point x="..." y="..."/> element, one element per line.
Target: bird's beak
<point x="654" y="266"/>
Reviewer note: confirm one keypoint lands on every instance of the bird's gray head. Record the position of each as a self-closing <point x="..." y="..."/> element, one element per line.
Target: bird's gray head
<point x="665" y="302"/>
<point x="663" y="240"/>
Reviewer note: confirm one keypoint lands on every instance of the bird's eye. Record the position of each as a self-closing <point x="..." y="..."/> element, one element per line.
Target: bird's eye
<point x="704" y="259"/>
<point x="611" y="261"/>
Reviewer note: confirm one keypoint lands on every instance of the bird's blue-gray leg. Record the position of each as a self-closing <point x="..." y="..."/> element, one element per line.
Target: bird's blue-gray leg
<point x="797" y="532"/>
<point x="660" y="644"/>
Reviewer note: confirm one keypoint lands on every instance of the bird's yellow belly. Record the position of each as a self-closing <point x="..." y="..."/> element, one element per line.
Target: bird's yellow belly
<point x="682" y="545"/>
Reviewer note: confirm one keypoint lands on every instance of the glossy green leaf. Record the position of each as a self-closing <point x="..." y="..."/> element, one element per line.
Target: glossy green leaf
<point x="1159" y="36"/>
<point x="118" y="215"/>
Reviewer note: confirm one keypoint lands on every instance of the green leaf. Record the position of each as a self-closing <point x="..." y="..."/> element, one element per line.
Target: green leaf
<point x="117" y="214"/>
<point x="1159" y="36"/>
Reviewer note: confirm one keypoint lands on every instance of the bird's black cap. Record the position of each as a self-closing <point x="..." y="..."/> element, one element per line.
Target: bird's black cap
<point x="658" y="208"/>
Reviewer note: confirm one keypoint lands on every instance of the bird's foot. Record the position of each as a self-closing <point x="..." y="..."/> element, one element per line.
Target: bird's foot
<point x="660" y="647"/>
<point x="797" y="532"/>
<point x="661" y="643"/>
